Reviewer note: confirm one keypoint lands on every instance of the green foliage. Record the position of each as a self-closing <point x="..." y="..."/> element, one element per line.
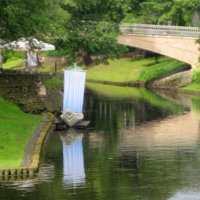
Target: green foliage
<point x="122" y="70"/>
<point x="196" y="76"/>
<point x="174" y="12"/>
<point x="9" y="54"/>
<point x="55" y="81"/>
<point x="98" y="10"/>
<point x="22" y="18"/>
<point x="56" y="53"/>
<point x="87" y="38"/>
<point x="88" y="31"/>
<point x="160" y="70"/>
<point x="198" y="41"/>
<point x="22" y="102"/>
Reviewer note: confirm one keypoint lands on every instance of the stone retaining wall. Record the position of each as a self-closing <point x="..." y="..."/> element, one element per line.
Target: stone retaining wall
<point x="27" y="92"/>
<point x="174" y="81"/>
<point x="123" y="84"/>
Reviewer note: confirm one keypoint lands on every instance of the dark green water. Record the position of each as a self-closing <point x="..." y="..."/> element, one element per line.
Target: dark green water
<point x="139" y="146"/>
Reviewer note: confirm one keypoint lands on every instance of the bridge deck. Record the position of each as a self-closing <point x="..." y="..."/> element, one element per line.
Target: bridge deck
<point x="161" y="30"/>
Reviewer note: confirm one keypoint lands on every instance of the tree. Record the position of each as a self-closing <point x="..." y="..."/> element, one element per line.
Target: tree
<point x="169" y="12"/>
<point x="198" y="42"/>
<point x="24" y="18"/>
<point x="27" y="19"/>
<point x="93" y="27"/>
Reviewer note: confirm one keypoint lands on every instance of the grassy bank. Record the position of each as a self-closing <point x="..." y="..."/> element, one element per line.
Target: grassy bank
<point x="12" y="64"/>
<point x="124" y="70"/>
<point x="118" y="70"/>
<point x="16" y="129"/>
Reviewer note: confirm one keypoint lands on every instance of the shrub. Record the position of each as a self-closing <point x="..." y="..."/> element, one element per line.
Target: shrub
<point x="196" y="76"/>
<point x="162" y="69"/>
<point x="9" y="54"/>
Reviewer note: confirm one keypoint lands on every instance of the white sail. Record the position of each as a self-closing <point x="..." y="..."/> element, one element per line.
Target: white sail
<point x="74" y="86"/>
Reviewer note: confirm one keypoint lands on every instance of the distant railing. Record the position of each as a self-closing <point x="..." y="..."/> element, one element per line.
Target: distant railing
<point x="161" y="30"/>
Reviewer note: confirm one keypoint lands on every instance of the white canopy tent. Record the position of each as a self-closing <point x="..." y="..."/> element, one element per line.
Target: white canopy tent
<point x="29" y="45"/>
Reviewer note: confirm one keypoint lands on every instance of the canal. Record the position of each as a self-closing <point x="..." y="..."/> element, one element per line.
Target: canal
<point x="140" y="145"/>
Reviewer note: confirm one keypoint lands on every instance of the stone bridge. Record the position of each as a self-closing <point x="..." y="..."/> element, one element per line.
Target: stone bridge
<point x="172" y="41"/>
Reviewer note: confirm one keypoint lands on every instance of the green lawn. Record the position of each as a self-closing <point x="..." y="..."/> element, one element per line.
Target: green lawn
<point x="16" y="129"/>
<point x="118" y="70"/>
<point x="122" y="70"/>
<point x="192" y="86"/>
<point x="10" y="65"/>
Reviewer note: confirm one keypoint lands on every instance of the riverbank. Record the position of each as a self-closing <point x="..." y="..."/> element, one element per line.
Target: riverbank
<point x="16" y="129"/>
<point x="128" y="71"/>
<point x="21" y="139"/>
<point x="123" y="72"/>
<point x="30" y="162"/>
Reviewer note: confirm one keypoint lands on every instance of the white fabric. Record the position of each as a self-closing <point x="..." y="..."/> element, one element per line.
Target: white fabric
<point x="25" y="45"/>
<point x="74" y="86"/>
<point x="32" y="59"/>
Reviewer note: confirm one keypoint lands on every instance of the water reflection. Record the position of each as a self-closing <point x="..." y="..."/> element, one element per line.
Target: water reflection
<point x="73" y="161"/>
<point x="172" y="132"/>
<point x="46" y="174"/>
<point x="110" y="105"/>
<point x="183" y="195"/>
<point x="140" y="145"/>
<point x="152" y="148"/>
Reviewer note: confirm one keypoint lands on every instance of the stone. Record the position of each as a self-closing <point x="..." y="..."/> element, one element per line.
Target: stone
<point x="71" y="118"/>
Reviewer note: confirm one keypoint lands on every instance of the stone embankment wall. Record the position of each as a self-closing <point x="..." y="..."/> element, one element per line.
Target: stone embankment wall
<point x="27" y="91"/>
<point x="174" y="81"/>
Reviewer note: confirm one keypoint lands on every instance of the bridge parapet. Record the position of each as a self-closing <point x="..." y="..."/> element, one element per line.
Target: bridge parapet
<point x="161" y="30"/>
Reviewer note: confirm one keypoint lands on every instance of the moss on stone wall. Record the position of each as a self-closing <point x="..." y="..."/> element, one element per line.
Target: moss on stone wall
<point x="27" y="88"/>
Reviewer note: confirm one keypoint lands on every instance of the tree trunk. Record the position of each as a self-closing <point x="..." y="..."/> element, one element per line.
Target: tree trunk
<point x="156" y="57"/>
<point x="1" y="61"/>
<point x="86" y="57"/>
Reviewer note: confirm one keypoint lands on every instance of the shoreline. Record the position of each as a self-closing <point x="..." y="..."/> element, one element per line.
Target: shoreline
<point x="143" y="85"/>
<point x="30" y="163"/>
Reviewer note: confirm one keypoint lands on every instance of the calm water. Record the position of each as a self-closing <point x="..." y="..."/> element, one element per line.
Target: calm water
<point x="139" y="146"/>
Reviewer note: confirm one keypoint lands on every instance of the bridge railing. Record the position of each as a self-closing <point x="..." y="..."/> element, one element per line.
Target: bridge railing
<point x="161" y="30"/>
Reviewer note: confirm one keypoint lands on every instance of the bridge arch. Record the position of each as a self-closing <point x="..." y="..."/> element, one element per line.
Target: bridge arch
<point x="183" y="49"/>
<point x="177" y="42"/>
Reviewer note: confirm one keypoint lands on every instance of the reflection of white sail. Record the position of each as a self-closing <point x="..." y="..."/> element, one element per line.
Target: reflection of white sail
<point x="74" y="173"/>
